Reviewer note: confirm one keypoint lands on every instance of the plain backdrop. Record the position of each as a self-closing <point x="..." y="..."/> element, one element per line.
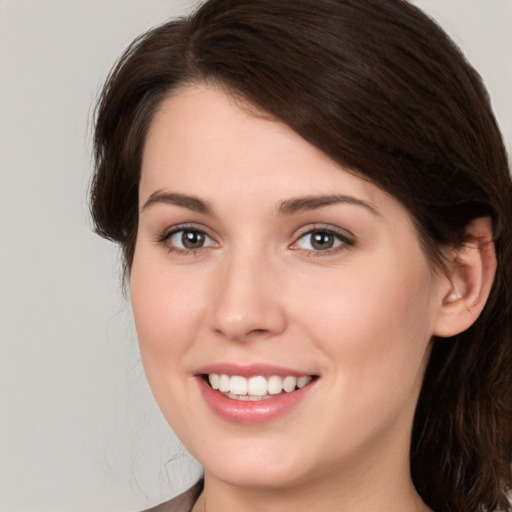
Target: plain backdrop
<point x="79" y="430"/>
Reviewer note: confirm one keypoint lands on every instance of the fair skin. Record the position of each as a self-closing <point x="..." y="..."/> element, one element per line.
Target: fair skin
<point x="255" y="249"/>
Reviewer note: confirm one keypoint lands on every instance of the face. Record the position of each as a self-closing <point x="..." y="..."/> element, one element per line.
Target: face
<point x="261" y="264"/>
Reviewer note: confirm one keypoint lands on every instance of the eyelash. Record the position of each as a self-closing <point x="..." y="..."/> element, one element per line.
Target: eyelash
<point x="164" y="238"/>
<point x="345" y="241"/>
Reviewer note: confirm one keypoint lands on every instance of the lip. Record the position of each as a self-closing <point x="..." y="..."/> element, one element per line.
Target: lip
<point x="248" y="412"/>
<point x="249" y="370"/>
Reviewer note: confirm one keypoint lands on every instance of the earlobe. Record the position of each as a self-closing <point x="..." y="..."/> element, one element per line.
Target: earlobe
<point x="470" y="277"/>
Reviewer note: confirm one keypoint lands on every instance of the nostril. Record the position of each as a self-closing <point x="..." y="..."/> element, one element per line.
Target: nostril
<point x="258" y="331"/>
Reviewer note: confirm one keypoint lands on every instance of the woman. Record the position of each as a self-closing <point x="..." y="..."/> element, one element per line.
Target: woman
<point x="314" y="206"/>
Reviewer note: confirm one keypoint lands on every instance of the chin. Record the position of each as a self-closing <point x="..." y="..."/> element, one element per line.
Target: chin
<point x="250" y="463"/>
<point x="255" y="475"/>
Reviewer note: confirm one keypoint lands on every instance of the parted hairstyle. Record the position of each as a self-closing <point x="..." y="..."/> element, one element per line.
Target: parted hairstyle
<point x="383" y="91"/>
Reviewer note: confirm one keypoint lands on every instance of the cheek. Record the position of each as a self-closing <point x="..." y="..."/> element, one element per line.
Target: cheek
<point x="374" y="323"/>
<point x="165" y="303"/>
<point x="168" y="308"/>
<point x="167" y="324"/>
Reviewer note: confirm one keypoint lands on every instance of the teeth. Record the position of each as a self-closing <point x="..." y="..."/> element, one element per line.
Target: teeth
<point x="224" y="383"/>
<point x="238" y="385"/>
<point x="258" y="387"/>
<point x="214" y="380"/>
<point x="274" y="385"/>
<point x="289" y="384"/>
<point x="303" y="381"/>
<point x="248" y="398"/>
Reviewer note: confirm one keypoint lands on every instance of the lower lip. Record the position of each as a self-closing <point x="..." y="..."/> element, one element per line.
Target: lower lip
<point x="240" y="411"/>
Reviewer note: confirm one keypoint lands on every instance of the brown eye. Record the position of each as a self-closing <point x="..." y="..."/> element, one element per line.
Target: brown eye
<point x="192" y="239"/>
<point x="321" y="240"/>
<point x="189" y="240"/>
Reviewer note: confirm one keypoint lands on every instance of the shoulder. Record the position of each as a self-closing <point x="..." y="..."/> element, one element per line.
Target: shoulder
<point x="181" y="503"/>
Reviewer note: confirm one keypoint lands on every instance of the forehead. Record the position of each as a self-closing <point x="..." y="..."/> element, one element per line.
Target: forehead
<point x="203" y="137"/>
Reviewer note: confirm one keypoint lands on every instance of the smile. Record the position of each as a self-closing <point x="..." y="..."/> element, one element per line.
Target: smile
<point x="256" y="388"/>
<point x="253" y="394"/>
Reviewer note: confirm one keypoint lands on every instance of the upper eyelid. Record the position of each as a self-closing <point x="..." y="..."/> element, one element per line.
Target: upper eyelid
<point x="169" y="231"/>
<point x="344" y="233"/>
<point x="164" y="237"/>
<point x="347" y="239"/>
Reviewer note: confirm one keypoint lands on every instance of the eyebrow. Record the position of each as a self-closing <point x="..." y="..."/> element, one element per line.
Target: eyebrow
<point x="185" y="201"/>
<point x="302" y="204"/>
<point x="288" y="207"/>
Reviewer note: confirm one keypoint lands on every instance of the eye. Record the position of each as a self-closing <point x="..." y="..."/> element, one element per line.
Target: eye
<point x="186" y="239"/>
<point x="322" y="240"/>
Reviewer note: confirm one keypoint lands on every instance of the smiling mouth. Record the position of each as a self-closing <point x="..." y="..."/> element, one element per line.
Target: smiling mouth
<point x="256" y="388"/>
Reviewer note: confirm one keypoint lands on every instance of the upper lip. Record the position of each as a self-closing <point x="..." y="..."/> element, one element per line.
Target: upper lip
<point x="249" y="370"/>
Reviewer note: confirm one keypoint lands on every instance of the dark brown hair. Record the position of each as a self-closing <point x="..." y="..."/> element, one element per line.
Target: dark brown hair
<point x="381" y="89"/>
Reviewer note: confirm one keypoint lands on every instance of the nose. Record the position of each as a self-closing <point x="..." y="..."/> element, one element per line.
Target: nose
<point x="247" y="302"/>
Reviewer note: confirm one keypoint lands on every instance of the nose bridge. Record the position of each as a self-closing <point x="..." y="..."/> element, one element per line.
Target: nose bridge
<point x="247" y="301"/>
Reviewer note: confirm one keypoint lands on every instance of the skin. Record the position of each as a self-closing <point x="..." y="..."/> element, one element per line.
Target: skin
<point x="360" y="315"/>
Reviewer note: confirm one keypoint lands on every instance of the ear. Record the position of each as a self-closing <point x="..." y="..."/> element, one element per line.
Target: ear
<point x="469" y="280"/>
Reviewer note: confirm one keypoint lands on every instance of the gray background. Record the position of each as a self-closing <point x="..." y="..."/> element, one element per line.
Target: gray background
<point x="79" y="430"/>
